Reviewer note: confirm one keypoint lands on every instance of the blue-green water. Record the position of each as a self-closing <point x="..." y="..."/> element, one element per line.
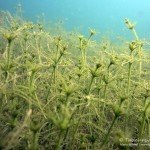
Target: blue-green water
<point x="103" y="15"/>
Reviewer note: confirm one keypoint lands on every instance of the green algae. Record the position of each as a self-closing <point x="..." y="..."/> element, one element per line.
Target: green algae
<point x="67" y="91"/>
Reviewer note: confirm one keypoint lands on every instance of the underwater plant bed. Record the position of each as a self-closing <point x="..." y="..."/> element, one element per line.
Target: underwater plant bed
<point x="66" y="91"/>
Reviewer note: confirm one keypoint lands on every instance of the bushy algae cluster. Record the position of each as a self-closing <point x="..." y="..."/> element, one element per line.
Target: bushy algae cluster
<point x="54" y="95"/>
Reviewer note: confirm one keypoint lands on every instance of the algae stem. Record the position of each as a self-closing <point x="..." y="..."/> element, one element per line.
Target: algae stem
<point x="58" y="146"/>
<point x="143" y="123"/>
<point x="8" y="54"/>
<point x="39" y="51"/>
<point x="135" y="34"/>
<point x="139" y="52"/>
<point x="88" y="91"/>
<point x="129" y="77"/>
<point x="108" y="133"/>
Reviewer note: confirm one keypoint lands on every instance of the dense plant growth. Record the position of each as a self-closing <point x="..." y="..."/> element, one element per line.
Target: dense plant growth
<point x="66" y="91"/>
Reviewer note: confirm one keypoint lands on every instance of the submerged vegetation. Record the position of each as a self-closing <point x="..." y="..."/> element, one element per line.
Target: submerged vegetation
<point x="66" y="91"/>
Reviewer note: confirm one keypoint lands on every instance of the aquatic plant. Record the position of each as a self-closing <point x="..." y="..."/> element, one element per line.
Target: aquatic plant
<point x="67" y="91"/>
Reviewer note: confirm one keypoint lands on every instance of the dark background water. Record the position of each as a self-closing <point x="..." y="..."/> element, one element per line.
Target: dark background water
<point x="103" y="15"/>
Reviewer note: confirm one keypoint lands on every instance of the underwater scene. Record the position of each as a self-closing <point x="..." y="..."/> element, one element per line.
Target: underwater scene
<point x="74" y="75"/>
